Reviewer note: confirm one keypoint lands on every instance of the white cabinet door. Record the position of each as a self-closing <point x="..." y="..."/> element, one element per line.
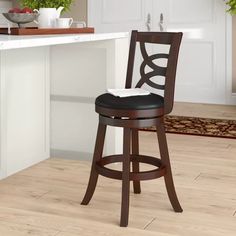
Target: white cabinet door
<point x="201" y="75"/>
<point x="24" y="103"/>
<point x="118" y="15"/>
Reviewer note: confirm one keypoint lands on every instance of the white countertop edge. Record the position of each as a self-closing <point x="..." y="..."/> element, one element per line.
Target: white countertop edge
<point x="14" y="42"/>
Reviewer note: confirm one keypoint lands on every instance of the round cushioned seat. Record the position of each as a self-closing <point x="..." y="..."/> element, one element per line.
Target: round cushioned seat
<point x="145" y="102"/>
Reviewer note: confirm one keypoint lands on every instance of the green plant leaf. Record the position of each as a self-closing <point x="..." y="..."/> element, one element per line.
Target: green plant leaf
<point x="232" y="6"/>
<point x="36" y="4"/>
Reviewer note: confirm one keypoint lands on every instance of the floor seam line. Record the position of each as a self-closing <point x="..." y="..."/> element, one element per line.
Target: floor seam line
<point x="57" y="233"/>
<point x="38" y="197"/>
<point x="150" y="222"/>
<point x="197" y="177"/>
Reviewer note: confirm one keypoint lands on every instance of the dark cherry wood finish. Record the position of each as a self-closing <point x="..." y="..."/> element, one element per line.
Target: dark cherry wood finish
<point x="133" y="119"/>
<point x="37" y="31"/>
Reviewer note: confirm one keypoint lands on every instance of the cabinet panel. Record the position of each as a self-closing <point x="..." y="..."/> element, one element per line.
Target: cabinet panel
<point x="114" y="11"/>
<point x="26" y="115"/>
<point x="115" y="16"/>
<point x="194" y="60"/>
<point x="191" y="11"/>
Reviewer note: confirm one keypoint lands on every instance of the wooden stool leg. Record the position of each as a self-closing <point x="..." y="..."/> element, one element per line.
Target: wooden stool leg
<point x="135" y="164"/>
<point x="166" y="161"/>
<point x="125" y="179"/>
<point x="96" y="157"/>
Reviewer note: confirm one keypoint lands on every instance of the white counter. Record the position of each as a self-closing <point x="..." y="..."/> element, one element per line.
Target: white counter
<point x="47" y="89"/>
<point x="14" y="42"/>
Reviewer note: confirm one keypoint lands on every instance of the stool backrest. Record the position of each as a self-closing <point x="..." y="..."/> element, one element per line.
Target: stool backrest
<point x="169" y="72"/>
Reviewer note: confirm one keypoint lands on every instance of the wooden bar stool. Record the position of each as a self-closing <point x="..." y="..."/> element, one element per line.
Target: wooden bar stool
<point x="133" y="113"/>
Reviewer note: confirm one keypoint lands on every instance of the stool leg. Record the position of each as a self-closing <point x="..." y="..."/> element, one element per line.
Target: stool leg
<point x="96" y="157"/>
<point x="125" y="179"/>
<point x="135" y="164"/>
<point x="166" y="161"/>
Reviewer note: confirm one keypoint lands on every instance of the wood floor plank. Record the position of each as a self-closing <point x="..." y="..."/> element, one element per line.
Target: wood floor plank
<point x="194" y="224"/>
<point x="16" y="229"/>
<point x="45" y="199"/>
<point x="205" y="110"/>
<point x="67" y="225"/>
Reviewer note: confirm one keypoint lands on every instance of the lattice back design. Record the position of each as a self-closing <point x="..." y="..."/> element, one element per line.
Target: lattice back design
<point x="169" y="72"/>
<point x="156" y="70"/>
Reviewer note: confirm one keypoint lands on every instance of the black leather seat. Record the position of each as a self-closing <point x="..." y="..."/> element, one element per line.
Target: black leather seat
<point x="146" y="102"/>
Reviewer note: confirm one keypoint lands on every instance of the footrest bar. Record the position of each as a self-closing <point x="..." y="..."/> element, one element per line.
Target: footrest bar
<point x="142" y="175"/>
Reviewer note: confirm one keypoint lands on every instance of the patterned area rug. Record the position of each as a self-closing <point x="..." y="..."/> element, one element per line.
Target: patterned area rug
<point x="199" y="126"/>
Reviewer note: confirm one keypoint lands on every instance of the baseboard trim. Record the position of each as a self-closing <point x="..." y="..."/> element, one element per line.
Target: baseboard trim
<point x="73" y="99"/>
<point x="233" y="99"/>
<point x="71" y="155"/>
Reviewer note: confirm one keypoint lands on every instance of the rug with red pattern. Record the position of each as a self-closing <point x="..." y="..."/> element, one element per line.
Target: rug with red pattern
<point x="199" y="126"/>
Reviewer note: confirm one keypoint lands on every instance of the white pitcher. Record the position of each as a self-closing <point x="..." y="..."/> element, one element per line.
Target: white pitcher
<point x="47" y="17"/>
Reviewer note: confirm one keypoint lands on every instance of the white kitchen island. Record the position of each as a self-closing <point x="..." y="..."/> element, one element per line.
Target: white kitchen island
<point x="48" y="85"/>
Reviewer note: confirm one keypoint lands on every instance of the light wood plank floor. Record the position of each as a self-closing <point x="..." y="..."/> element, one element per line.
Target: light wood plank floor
<point x="44" y="200"/>
<point x="205" y="110"/>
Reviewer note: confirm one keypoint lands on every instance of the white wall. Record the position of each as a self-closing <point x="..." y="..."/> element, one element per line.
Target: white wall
<point x="78" y="10"/>
<point x="4" y="7"/>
